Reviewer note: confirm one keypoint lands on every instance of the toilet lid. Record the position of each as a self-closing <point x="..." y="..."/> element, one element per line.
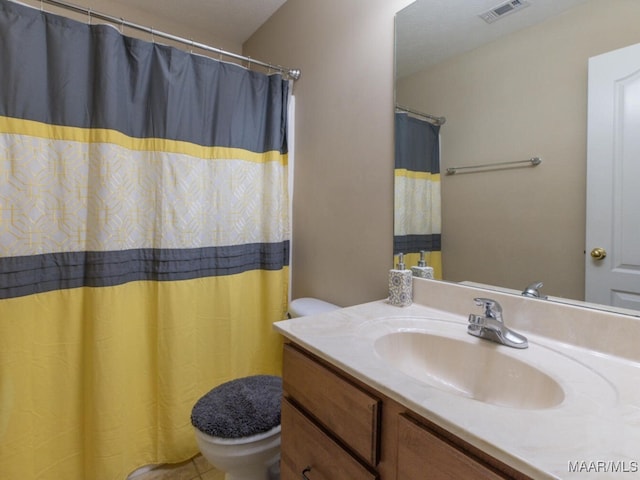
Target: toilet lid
<point x="240" y="408"/>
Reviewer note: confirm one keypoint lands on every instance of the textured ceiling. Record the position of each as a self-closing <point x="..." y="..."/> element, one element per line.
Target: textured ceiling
<point x="233" y="20"/>
<point x="429" y="31"/>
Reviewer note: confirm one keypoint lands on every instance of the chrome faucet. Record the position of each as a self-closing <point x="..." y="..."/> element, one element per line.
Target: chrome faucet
<point x="490" y="325"/>
<point x="533" y="290"/>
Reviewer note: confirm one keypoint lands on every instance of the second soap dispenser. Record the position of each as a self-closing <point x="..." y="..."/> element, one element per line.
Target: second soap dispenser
<point x="421" y="270"/>
<point x="400" y="284"/>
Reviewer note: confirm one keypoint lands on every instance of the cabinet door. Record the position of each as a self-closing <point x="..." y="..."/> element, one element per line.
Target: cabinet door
<point x="422" y="455"/>
<point x="306" y="447"/>
<point x="341" y="407"/>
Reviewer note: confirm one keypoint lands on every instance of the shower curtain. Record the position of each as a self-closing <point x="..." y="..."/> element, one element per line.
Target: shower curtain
<point x="417" y="217"/>
<point x="144" y="243"/>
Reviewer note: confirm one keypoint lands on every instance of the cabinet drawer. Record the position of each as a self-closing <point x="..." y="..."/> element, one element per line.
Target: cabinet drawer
<point x="304" y="445"/>
<point x="422" y="455"/>
<point x="341" y="407"/>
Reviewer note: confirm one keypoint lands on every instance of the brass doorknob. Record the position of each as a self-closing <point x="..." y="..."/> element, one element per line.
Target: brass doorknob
<point x="598" y="253"/>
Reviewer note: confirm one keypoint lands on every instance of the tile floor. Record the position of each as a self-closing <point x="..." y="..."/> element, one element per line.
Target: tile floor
<point x="195" y="469"/>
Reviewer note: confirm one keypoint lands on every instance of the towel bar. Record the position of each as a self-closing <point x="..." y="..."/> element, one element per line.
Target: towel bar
<point x="531" y="161"/>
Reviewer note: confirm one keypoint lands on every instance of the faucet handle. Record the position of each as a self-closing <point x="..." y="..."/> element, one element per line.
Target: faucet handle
<point x="533" y="290"/>
<point x="492" y="309"/>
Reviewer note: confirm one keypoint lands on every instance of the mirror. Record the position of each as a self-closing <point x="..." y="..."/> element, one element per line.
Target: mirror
<point x="510" y="90"/>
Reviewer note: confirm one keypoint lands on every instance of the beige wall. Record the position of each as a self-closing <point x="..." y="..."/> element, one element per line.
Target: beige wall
<point x="342" y="205"/>
<point x="523" y="96"/>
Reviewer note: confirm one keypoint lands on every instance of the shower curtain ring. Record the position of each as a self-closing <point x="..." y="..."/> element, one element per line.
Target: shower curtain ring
<point x="121" y="26"/>
<point x="191" y="49"/>
<point x="89" y="15"/>
<point x="153" y="40"/>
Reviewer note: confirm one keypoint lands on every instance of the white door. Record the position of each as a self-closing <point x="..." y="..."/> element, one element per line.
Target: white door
<point x="613" y="179"/>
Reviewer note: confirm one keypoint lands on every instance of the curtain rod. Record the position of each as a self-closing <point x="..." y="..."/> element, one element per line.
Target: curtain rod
<point x="437" y="120"/>
<point x="292" y="73"/>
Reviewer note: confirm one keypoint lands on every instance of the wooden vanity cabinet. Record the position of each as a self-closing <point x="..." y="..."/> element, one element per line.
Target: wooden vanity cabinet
<point x="334" y="427"/>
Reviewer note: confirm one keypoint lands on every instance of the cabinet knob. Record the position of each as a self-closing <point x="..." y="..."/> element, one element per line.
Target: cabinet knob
<point x="304" y="473"/>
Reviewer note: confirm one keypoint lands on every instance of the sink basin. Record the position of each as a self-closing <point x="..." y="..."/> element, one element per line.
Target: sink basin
<point x="477" y="370"/>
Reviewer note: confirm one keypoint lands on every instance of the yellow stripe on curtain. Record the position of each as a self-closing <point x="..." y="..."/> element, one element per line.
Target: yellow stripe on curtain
<point x="30" y="128"/>
<point x="409" y="174"/>
<point x="138" y="379"/>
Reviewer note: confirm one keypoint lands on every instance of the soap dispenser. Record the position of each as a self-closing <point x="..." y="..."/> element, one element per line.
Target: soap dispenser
<point x="421" y="270"/>
<point x="400" y="284"/>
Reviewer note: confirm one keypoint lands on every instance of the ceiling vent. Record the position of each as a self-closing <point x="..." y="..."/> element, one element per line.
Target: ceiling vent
<point x="503" y="9"/>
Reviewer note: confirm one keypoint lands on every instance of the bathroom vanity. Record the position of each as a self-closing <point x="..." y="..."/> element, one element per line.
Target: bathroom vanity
<point x="333" y="426"/>
<point x="381" y="392"/>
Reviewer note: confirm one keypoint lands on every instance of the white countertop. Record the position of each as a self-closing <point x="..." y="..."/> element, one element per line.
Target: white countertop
<point x="593" y="433"/>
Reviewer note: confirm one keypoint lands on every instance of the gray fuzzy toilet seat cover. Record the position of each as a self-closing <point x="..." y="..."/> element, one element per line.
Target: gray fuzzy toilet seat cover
<point x="240" y="408"/>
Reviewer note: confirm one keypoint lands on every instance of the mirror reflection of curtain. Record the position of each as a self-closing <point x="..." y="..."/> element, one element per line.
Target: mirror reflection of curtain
<point x="144" y="242"/>
<point x="417" y="219"/>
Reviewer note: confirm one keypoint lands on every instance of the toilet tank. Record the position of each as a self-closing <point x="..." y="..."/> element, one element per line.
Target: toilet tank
<point x="302" y="307"/>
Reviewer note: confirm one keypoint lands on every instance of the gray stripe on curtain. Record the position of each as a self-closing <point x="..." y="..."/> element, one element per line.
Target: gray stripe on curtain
<point x="90" y="76"/>
<point x="417" y="145"/>
<point x="415" y="243"/>
<point x="27" y="275"/>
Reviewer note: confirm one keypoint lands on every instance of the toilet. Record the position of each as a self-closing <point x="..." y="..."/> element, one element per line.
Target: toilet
<point x="302" y="307"/>
<point x="237" y="424"/>
<point x="237" y="427"/>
